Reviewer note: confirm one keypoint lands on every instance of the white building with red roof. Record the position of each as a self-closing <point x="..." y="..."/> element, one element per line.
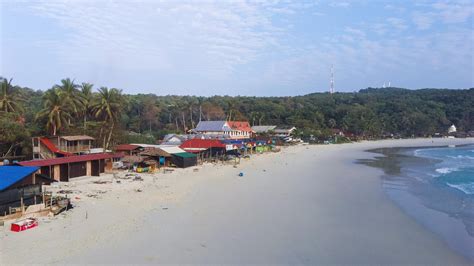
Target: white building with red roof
<point x="225" y="129"/>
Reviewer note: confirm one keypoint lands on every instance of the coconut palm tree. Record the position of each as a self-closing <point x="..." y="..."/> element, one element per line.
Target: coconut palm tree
<point x="70" y="92"/>
<point x="57" y="109"/>
<point x="108" y="106"/>
<point x="9" y="98"/>
<point x="86" y="93"/>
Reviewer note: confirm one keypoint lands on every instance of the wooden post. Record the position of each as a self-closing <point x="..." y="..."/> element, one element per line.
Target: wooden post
<point x="21" y="205"/>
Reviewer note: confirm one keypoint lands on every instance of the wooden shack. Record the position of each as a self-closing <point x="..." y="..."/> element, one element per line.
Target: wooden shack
<point x="62" y="169"/>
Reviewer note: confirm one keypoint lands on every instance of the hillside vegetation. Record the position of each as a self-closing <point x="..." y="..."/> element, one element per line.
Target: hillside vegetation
<point x="113" y="117"/>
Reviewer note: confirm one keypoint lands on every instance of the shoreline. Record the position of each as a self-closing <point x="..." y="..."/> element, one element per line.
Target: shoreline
<point x="401" y="181"/>
<point x="290" y="207"/>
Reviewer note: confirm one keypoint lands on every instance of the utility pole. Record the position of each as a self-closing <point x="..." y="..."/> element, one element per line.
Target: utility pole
<point x="331" y="89"/>
<point x="200" y="112"/>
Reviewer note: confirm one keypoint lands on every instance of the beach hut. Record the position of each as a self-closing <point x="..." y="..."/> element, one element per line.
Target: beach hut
<point x="64" y="168"/>
<point x="128" y="149"/>
<point x="161" y="157"/>
<point x="208" y="147"/>
<point x="184" y="159"/>
<point x="20" y="186"/>
<point x="60" y="146"/>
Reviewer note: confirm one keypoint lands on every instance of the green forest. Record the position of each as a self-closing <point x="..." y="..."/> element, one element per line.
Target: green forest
<point x="112" y="116"/>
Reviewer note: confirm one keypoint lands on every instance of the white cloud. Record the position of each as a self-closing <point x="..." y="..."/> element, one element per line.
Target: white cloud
<point x="397" y="23"/>
<point x="423" y="21"/>
<point x="209" y="37"/>
<point x="340" y="4"/>
<point x="454" y="12"/>
<point x="265" y="44"/>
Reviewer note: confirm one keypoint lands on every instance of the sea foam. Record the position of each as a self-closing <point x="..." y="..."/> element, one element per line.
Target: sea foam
<point x="466" y="188"/>
<point x="446" y="170"/>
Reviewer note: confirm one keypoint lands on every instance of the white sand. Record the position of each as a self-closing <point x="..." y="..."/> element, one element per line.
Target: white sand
<point x="306" y="204"/>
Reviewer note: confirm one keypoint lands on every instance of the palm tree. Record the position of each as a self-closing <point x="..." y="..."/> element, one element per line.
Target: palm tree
<point x="86" y="93"/>
<point x="57" y="109"/>
<point x="9" y="98"/>
<point x="108" y="106"/>
<point x="70" y="92"/>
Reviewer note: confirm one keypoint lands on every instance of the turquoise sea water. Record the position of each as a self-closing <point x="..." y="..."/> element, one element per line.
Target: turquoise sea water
<point x="436" y="187"/>
<point x="455" y="168"/>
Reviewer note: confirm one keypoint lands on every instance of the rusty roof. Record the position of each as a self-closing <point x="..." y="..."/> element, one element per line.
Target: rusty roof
<point x="126" y="147"/>
<point x="71" y="159"/>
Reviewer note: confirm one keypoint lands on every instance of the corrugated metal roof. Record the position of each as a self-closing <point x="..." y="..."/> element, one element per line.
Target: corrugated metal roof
<point x="216" y="126"/>
<point x="202" y="144"/>
<point x="79" y="137"/>
<point x="185" y="155"/>
<point x="146" y="145"/>
<point x="126" y="147"/>
<point x="284" y="129"/>
<point x="262" y="129"/>
<point x="9" y="175"/>
<point x="70" y="159"/>
<point x="172" y="149"/>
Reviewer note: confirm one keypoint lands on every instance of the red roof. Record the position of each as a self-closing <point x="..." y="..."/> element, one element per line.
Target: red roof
<point x="126" y="147"/>
<point x="201" y="144"/>
<point x="240" y="125"/>
<point x="71" y="159"/>
<point x="50" y="145"/>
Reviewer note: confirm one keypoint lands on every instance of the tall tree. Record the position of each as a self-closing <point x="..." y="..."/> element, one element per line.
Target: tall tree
<point x="9" y="98"/>
<point x="70" y="92"/>
<point x="108" y="106"/>
<point x="57" y="110"/>
<point x="86" y="93"/>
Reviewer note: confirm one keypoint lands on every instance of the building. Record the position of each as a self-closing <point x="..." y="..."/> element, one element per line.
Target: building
<point x="452" y="129"/>
<point x="209" y="146"/>
<point x="213" y="128"/>
<point x="65" y="168"/>
<point x="128" y="149"/>
<point x="20" y="185"/>
<point x="60" y="146"/>
<point x="224" y="129"/>
<point x="263" y="129"/>
<point x="174" y="139"/>
<point x="284" y="132"/>
<point x="184" y="159"/>
<point x="161" y="157"/>
<point x="240" y="130"/>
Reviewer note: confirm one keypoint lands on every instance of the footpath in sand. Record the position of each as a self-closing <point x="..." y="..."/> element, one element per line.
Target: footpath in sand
<point x="306" y="204"/>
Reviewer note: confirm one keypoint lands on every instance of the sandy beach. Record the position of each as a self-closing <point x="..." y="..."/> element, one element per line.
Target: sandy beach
<point x="304" y="205"/>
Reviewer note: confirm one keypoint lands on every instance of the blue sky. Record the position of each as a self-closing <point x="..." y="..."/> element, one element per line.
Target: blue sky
<point x="238" y="47"/>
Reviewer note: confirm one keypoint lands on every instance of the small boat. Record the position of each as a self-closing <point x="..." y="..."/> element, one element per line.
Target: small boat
<point x="23" y="225"/>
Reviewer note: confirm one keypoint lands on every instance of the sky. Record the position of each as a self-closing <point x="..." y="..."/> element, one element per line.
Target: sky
<point x="260" y="48"/>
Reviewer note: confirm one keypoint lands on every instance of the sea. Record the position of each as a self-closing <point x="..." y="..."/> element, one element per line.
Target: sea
<point x="455" y="168"/>
<point x="435" y="186"/>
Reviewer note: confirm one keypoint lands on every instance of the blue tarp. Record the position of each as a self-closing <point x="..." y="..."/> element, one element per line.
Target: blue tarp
<point x="233" y="141"/>
<point x="9" y="175"/>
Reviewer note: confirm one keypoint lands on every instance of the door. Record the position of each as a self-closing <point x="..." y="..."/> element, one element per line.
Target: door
<point x="78" y="169"/>
<point x="95" y="168"/>
<point x="63" y="172"/>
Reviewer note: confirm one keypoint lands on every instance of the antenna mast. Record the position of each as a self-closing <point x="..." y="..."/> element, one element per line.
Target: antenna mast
<point x="331" y="89"/>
